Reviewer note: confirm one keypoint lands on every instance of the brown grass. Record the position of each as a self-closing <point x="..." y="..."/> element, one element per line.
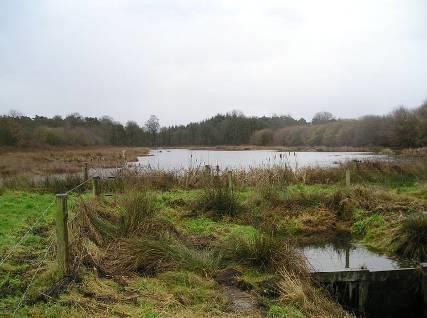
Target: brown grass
<point x="411" y="238"/>
<point x="131" y="237"/>
<point x="279" y="148"/>
<point x="300" y="292"/>
<point x="64" y="160"/>
<point x="372" y="199"/>
<point x="396" y="172"/>
<point x="265" y="252"/>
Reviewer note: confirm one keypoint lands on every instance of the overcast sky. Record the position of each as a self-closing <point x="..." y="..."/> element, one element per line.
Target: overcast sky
<point x="185" y="60"/>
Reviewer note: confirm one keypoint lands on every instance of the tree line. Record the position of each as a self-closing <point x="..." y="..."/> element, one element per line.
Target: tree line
<point x="402" y="127"/>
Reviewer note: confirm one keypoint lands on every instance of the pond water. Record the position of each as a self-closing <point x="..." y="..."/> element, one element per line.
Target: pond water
<point x="330" y="257"/>
<point x="174" y="159"/>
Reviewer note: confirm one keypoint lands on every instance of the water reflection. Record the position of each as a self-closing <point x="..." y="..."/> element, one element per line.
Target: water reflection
<point x="175" y="159"/>
<point x="335" y="256"/>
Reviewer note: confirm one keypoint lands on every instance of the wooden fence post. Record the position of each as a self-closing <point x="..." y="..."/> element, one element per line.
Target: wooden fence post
<point x="207" y="169"/>
<point x="208" y="175"/>
<point x="347" y="257"/>
<point x="95" y="186"/>
<point x="347" y="177"/>
<point x="85" y="172"/>
<point x="230" y="182"/>
<point x="62" y="234"/>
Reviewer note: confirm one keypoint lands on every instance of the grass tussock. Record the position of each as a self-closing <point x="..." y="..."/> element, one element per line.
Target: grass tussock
<point x="411" y="237"/>
<point x="371" y="199"/>
<point x="139" y="209"/>
<point x="265" y="252"/>
<point x="152" y="256"/>
<point x="134" y="238"/>
<point x="96" y="221"/>
<point x="269" y="189"/>
<point x="219" y="201"/>
<point x="300" y="293"/>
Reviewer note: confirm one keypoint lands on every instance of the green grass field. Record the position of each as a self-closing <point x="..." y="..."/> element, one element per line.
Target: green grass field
<point x="193" y="234"/>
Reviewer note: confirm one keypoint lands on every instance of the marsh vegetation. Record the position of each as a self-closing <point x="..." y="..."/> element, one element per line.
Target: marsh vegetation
<point x="30" y="162"/>
<point x="163" y="244"/>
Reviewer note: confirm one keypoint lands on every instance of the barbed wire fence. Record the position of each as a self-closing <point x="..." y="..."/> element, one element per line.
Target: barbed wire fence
<point x="38" y="268"/>
<point x="51" y="243"/>
<point x="25" y="235"/>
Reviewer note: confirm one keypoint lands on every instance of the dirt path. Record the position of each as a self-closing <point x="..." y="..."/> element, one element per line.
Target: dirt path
<point x="242" y="302"/>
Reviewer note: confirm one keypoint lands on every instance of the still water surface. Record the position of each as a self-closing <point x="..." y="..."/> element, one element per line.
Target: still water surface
<point x="329" y="258"/>
<point x="174" y="159"/>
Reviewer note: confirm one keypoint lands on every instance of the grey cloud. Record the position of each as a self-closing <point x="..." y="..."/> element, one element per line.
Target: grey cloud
<point x="186" y="60"/>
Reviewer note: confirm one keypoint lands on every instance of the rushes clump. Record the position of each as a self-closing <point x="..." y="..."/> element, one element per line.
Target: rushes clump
<point x="138" y="209"/>
<point x="134" y="239"/>
<point x="95" y="221"/>
<point x="265" y="252"/>
<point x="219" y="200"/>
<point x="412" y="237"/>
<point x="155" y="255"/>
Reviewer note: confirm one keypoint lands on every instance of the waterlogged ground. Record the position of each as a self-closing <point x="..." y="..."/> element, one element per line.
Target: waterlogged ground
<point x="305" y="214"/>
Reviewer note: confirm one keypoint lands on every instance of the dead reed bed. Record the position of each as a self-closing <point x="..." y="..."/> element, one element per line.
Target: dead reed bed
<point x="268" y="178"/>
<point x="53" y="161"/>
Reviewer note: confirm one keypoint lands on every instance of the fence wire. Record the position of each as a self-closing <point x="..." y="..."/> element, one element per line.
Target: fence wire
<point x="46" y="251"/>
<point x="41" y="217"/>
<point x="39" y="266"/>
<point x="76" y="187"/>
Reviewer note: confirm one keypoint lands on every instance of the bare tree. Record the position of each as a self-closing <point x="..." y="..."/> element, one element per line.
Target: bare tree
<point x="15" y="113"/>
<point x="322" y="117"/>
<point x="153" y="126"/>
